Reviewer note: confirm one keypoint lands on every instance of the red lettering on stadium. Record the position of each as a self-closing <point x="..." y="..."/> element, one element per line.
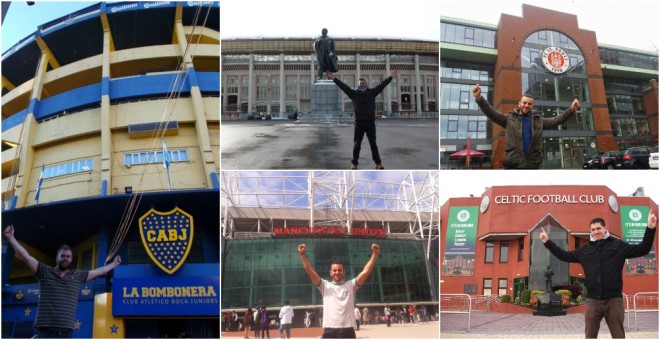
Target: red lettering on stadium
<point x="329" y="231"/>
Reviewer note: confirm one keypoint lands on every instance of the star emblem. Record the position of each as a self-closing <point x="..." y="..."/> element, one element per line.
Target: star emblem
<point x="77" y="324"/>
<point x="113" y="329"/>
<point x="27" y="311"/>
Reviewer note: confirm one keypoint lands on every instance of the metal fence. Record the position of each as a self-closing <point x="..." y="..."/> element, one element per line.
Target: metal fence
<point x="457" y="304"/>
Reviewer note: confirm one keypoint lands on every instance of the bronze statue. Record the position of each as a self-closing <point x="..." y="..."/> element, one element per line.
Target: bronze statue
<point x="324" y="47"/>
<point x="548" y="279"/>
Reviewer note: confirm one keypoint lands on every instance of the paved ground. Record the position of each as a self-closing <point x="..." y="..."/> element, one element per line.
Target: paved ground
<point x="282" y="144"/>
<point x="424" y="330"/>
<point x="510" y="326"/>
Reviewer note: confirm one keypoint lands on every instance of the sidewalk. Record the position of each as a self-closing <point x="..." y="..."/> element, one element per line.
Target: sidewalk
<point x="424" y="330"/>
<point x="511" y="326"/>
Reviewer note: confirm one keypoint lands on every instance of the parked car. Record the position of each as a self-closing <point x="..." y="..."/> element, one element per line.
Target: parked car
<point x="653" y="158"/>
<point x="611" y="160"/>
<point x="636" y="158"/>
<point x="591" y="162"/>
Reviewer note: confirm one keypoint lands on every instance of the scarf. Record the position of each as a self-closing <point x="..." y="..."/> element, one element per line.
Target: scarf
<point x="607" y="234"/>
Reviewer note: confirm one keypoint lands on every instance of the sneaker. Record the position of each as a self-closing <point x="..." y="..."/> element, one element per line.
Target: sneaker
<point x="353" y="166"/>
<point x="379" y="167"/>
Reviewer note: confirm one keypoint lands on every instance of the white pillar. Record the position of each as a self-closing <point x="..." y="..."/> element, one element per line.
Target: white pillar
<point x="250" y="86"/>
<point x="357" y="69"/>
<point x="388" y="93"/>
<point x="282" y="88"/>
<point x="418" y="97"/>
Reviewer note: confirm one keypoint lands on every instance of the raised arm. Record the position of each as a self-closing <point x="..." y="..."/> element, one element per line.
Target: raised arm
<point x="316" y="279"/>
<point x="564" y="116"/>
<point x="100" y="271"/>
<point x="643" y="248"/>
<point x="494" y="115"/>
<point x="31" y="262"/>
<point x="364" y="275"/>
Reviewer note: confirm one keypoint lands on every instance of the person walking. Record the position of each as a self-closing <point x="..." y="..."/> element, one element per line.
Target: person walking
<point x="265" y="328"/>
<point x="247" y="322"/>
<point x="338" y="295"/>
<point x="523" y="135"/>
<point x="602" y="260"/>
<point x="59" y="288"/>
<point x="358" y="317"/>
<point x="286" y="318"/>
<point x="364" y="107"/>
<point x="388" y="315"/>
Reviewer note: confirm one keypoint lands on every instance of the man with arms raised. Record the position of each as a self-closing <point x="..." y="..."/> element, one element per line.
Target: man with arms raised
<point x="59" y="288"/>
<point x="338" y="295"/>
<point x="602" y="260"/>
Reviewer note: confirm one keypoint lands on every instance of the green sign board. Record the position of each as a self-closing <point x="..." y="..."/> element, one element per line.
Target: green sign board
<point x="634" y="220"/>
<point x="461" y="241"/>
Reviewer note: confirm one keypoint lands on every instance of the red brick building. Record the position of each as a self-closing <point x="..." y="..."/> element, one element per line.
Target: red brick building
<point x="490" y="244"/>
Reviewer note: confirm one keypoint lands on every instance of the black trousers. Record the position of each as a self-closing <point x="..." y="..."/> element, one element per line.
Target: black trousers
<point x="362" y="127"/>
<point x="338" y="333"/>
<point x="54" y="333"/>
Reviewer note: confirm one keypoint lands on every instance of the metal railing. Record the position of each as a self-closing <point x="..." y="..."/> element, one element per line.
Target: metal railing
<point x="456" y="304"/>
<point x="648" y="302"/>
<point x="626" y="309"/>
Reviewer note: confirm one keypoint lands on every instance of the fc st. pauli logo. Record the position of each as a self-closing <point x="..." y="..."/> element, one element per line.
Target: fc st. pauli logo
<point x="167" y="237"/>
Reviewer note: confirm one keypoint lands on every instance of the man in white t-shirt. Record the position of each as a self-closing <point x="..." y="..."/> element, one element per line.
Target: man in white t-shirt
<point x="338" y="295"/>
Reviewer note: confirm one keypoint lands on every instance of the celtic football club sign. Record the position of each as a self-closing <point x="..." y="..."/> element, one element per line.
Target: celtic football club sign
<point x="167" y="237"/>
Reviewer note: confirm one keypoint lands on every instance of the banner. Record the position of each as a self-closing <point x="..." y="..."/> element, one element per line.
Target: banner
<point x="634" y="220"/>
<point x="167" y="296"/>
<point x="461" y="241"/>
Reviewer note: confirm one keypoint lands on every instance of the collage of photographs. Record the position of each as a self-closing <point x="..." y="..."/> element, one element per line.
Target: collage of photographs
<point x="304" y="169"/>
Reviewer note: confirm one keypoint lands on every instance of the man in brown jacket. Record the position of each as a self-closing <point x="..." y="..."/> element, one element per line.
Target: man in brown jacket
<point x="523" y="136"/>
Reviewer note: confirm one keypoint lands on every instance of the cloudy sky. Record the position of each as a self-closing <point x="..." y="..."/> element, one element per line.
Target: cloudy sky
<point x="632" y="24"/>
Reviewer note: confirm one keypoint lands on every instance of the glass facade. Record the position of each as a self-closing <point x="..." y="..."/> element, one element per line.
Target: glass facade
<point x="466" y="35"/>
<point x="541" y="259"/>
<point x="562" y="148"/>
<point x="629" y="59"/>
<point x="628" y="117"/>
<point x="269" y="271"/>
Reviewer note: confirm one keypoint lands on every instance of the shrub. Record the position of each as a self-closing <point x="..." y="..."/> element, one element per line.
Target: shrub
<point x="517" y="300"/>
<point x="506" y="298"/>
<point x="525" y="295"/>
<point x="576" y="290"/>
<point x="580" y="299"/>
<point x="534" y="301"/>
<point x="563" y="292"/>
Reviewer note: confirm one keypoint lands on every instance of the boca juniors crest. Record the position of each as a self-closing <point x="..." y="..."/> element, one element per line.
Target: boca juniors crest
<point x="167" y="237"/>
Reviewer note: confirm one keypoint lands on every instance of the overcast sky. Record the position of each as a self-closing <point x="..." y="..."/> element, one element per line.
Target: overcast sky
<point x="632" y="24"/>
<point x="418" y="19"/>
<point x="462" y="183"/>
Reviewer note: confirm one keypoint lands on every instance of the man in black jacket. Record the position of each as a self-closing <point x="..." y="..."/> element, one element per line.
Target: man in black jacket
<point x="364" y="106"/>
<point x="602" y="260"/>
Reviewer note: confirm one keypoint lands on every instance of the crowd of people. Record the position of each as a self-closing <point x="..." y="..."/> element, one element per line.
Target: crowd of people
<point x="261" y="322"/>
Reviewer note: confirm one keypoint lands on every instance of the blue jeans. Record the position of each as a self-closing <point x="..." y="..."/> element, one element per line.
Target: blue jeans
<point x="286" y="326"/>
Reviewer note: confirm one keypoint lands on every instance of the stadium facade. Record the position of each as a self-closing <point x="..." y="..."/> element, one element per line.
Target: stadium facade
<point x="486" y="252"/>
<point x="275" y="75"/>
<point x="265" y="216"/>
<point x="616" y="86"/>
<point x="110" y="122"/>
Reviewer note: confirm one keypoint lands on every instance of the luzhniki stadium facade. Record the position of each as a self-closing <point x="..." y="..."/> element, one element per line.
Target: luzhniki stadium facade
<point x="275" y="75"/>
<point x="94" y="104"/>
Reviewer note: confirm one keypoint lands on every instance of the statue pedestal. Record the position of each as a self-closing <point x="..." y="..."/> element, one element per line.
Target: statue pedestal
<point x="549" y="305"/>
<point x="326" y="105"/>
<point x="326" y="97"/>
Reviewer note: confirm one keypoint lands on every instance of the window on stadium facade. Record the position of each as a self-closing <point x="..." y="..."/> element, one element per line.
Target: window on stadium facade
<point x="466" y="35"/>
<point x="269" y="272"/>
<point x="629" y="59"/>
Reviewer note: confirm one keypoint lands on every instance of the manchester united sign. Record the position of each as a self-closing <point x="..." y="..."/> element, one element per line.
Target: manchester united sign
<point x="167" y="237"/>
<point x="555" y="60"/>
